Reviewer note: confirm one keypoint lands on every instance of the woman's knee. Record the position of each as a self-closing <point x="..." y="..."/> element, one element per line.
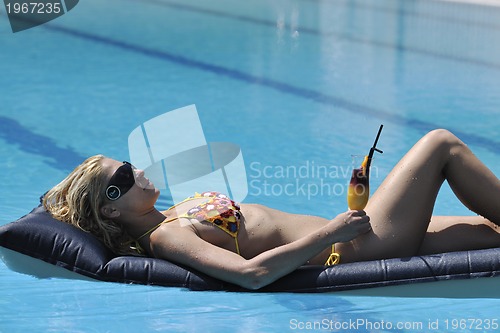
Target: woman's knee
<point x="443" y="138"/>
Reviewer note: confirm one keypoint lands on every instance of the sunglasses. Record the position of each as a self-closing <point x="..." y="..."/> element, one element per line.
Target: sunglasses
<point x="122" y="180"/>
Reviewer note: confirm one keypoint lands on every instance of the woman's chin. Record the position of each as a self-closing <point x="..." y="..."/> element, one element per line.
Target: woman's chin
<point x="156" y="192"/>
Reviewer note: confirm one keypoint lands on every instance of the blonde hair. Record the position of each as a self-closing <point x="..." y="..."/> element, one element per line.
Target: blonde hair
<point x="77" y="200"/>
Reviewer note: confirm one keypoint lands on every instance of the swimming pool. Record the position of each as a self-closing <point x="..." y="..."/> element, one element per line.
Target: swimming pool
<point x="296" y="84"/>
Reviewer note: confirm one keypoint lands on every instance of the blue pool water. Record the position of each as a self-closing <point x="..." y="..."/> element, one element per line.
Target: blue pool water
<point x="296" y="84"/>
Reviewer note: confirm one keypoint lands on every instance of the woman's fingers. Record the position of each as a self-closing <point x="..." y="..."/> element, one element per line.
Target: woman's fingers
<point x="352" y="224"/>
<point x="359" y="216"/>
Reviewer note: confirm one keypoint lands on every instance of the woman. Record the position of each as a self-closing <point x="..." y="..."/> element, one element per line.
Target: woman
<point x="253" y="245"/>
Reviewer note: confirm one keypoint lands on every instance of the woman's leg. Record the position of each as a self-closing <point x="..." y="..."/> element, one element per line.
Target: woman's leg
<point x="458" y="233"/>
<point x="401" y="208"/>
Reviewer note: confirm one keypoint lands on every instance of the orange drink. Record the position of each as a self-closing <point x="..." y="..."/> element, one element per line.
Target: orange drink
<point x="358" y="191"/>
<point x="359" y="187"/>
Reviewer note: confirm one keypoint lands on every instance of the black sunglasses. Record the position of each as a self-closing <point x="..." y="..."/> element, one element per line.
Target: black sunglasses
<point x="122" y="180"/>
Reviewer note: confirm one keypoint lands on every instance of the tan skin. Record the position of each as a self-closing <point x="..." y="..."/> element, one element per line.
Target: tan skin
<point x="397" y="221"/>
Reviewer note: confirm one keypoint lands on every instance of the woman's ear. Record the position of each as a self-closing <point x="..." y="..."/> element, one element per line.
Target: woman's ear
<point x="110" y="211"/>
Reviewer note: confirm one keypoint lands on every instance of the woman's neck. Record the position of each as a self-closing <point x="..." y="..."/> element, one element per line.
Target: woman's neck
<point x="145" y="222"/>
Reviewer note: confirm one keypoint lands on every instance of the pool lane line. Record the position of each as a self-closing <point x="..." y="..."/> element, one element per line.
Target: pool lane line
<point x="309" y="31"/>
<point x="14" y="133"/>
<point x="420" y="125"/>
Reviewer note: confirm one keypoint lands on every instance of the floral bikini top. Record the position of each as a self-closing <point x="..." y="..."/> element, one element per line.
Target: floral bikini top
<point x="218" y="209"/>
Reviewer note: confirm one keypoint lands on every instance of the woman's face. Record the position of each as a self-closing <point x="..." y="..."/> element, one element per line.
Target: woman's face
<point x="127" y="188"/>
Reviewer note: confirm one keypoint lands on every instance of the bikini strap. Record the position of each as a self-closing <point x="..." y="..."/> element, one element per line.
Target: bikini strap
<point x="334" y="257"/>
<point x="197" y="195"/>
<point x="155" y="227"/>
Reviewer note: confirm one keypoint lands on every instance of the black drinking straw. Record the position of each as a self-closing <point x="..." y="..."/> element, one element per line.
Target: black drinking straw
<point x="372" y="150"/>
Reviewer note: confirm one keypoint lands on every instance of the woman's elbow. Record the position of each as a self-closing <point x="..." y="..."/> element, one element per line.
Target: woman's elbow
<point x="254" y="278"/>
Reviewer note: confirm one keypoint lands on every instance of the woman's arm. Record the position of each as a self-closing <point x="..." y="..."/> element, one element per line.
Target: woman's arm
<point x="185" y="247"/>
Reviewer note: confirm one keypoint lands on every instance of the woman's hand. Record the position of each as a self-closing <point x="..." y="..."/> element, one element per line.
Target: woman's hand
<point x="350" y="225"/>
